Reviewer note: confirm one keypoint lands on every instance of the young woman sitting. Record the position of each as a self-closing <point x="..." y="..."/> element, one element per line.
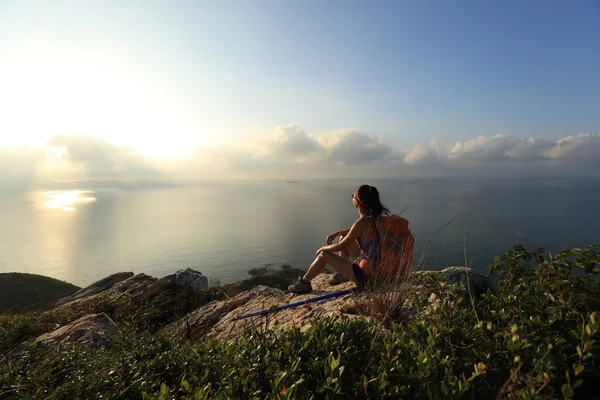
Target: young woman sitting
<point x="362" y="242"/>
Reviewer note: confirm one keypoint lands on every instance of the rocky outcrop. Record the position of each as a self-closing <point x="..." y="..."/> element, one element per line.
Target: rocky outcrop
<point x="174" y="296"/>
<point x="94" y="330"/>
<point x="95" y="288"/>
<point x="160" y="300"/>
<point x="139" y="287"/>
<point x="132" y="285"/>
<point x="218" y="318"/>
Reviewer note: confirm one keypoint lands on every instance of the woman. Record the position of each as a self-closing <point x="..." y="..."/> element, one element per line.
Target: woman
<point x="362" y="233"/>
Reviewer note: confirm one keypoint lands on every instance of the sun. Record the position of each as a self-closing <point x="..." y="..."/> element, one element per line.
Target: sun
<point x="49" y="90"/>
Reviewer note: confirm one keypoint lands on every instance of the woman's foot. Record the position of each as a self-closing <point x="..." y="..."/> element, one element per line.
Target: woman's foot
<point x="300" y="286"/>
<point x="337" y="279"/>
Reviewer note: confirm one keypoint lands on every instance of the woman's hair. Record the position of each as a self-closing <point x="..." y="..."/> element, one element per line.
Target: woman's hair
<point x="368" y="197"/>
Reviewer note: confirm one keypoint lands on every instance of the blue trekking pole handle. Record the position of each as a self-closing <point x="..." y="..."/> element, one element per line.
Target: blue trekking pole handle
<point x="314" y="299"/>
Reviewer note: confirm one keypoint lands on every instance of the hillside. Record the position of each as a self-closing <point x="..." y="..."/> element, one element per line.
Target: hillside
<point x="20" y="292"/>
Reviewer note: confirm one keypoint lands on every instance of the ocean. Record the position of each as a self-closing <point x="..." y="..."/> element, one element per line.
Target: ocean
<point x="85" y="232"/>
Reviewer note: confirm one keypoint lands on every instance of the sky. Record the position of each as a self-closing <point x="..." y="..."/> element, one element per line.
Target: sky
<point x="312" y="89"/>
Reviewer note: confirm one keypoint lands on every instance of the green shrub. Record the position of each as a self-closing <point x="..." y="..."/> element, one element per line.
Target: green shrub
<point x="535" y="338"/>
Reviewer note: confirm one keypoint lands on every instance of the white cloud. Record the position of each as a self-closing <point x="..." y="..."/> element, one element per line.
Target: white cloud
<point x="98" y="159"/>
<point x="495" y="148"/>
<point x="292" y="152"/>
<point x="292" y="143"/>
<point x="583" y="147"/>
<point x="431" y="153"/>
<point x="352" y="147"/>
<point x="291" y="147"/>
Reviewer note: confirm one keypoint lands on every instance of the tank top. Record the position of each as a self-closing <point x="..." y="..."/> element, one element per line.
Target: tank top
<point x="369" y="255"/>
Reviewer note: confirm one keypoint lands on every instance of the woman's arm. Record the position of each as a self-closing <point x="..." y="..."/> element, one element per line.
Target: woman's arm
<point x="330" y="238"/>
<point x="351" y="235"/>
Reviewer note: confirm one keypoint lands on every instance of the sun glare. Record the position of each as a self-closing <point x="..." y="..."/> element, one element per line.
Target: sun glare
<point x="66" y="200"/>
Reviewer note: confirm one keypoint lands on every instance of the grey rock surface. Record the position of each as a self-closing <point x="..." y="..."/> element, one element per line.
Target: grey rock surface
<point x="93" y="330"/>
<point x="186" y="278"/>
<point x="96" y="287"/>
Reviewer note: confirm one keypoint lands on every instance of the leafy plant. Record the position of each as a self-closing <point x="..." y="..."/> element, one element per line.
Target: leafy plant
<point x="535" y="338"/>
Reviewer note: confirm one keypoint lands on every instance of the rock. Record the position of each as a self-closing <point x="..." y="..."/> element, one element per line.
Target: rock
<point x="187" y="278"/>
<point x="170" y="297"/>
<point x="93" y="330"/>
<point x="473" y="281"/>
<point x="132" y="286"/>
<point x="194" y="280"/>
<point x="265" y="276"/>
<point x="96" y="288"/>
<point x="218" y="317"/>
<point x="477" y="282"/>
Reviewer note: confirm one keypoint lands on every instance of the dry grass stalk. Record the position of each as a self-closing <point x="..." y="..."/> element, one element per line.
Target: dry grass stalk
<point x="385" y="296"/>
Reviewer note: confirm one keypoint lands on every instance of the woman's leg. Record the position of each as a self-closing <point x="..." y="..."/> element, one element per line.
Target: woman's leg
<point x="352" y="251"/>
<point x="340" y="265"/>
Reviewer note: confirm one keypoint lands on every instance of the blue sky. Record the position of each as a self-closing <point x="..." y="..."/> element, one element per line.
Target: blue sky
<point x="167" y="77"/>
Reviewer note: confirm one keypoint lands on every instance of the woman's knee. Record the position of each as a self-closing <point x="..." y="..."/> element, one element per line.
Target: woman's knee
<point x="330" y="258"/>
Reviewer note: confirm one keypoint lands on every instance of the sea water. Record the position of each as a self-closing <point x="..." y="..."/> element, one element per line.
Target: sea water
<point x="85" y="232"/>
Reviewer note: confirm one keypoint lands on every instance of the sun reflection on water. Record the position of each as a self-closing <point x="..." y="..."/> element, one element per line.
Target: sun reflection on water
<point x="66" y="200"/>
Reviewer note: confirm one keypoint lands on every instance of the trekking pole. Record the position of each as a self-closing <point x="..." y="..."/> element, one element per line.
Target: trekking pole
<point x="314" y="299"/>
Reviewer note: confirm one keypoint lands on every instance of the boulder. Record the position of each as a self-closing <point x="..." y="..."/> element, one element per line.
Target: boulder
<point x="191" y="279"/>
<point x="95" y="288"/>
<point x="92" y="330"/>
<point x="188" y="278"/>
<point x="475" y="281"/>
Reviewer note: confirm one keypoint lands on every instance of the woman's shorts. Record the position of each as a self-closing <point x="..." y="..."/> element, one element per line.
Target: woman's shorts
<point x="362" y="278"/>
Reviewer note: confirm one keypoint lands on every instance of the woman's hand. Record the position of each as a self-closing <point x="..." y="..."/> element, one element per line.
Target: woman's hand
<point x="322" y="249"/>
<point x="331" y="237"/>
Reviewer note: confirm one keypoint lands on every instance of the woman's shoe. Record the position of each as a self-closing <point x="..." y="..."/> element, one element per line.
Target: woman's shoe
<point x="299" y="286"/>
<point x="337" y="279"/>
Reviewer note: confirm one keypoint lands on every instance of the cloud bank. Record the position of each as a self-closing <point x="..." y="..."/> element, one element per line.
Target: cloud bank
<point x="98" y="159"/>
<point x="291" y="152"/>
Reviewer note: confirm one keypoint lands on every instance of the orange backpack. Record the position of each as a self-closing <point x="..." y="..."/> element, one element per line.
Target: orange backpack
<point x="396" y="245"/>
